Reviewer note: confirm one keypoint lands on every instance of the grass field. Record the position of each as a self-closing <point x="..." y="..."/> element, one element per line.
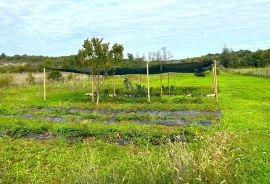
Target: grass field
<point x="252" y="71"/>
<point x="67" y="140"/>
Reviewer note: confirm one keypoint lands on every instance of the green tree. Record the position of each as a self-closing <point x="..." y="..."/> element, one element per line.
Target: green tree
<point x="2" y="56"/>
<point x="130" y="57"/>
<point x="99" y="57"/>
<point x="226" y="57"/>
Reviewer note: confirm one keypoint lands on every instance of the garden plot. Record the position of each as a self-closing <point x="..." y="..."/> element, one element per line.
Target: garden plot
<point x="110" y="116"/>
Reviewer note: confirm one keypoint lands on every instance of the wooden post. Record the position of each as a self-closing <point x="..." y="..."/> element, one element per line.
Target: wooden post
<point x="148" y="87"/>
<point x="161" y="90"/>
<point x="113" y="85"/>
<point x="216" y="85"/>
<point x="140" y="79"/>
<point x="174" y="83"/>
<point x="93" y="97"/>
<point x="213" y="78"/>
<point x="169" y="83"/>
<point x="44" y="84"/>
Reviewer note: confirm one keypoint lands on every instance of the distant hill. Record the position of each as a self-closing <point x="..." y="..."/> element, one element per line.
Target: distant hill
<point x="228" y="58"/>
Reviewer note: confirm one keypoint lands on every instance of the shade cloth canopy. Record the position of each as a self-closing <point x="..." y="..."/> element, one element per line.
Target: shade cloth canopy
<point x="195" y="67"/>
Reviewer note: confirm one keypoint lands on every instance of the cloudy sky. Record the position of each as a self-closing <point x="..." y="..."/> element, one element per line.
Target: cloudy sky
<point x="187" y="28"/>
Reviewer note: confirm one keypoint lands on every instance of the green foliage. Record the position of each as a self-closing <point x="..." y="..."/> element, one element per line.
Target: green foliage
<point x="202" y="74"/>
<point x="6" y="80"/>
<point x="106" y="92"/>
<point x="54" y="75"/>
<point x="234" y="150"/>
<point x="99" y="57"/>
<point x="30" y="79"/>
<point x="140" y="90"/>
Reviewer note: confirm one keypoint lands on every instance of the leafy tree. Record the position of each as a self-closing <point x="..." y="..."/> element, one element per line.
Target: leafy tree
<point x="99" y="57"/>
<point x="2" y="56"/>
<point x="130" y="57"/>
<point x="226" y="57"/>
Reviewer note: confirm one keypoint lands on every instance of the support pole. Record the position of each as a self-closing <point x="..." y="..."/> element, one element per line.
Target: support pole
<point x="174" y="83"/>
<point x="213" y="78"/>
<point x="161" y="90"/>
<point x="216" y="85"/>
<point x="93" y="97"/>
<point x="148" y="87"/>
<point x="140" y="79"/>
<point x="44" y="84"/>
<point x="169" y="83"/>
<point x="113" y="85"/>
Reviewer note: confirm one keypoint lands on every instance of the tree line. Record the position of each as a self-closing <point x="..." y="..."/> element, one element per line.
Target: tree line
<point x="228" y="58"/>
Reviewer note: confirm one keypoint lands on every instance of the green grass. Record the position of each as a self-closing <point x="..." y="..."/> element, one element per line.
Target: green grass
<point x="234" y="150"/>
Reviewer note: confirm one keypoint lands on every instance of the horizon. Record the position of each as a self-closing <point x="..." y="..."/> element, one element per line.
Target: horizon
<point x="187" y="29"/>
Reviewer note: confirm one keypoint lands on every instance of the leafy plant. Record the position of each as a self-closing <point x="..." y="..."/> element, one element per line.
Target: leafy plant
<point x="6" y="80"/>
<point x="199" y="74"/>
<point x="54" y="75"/>
<point x="106" y="92"/>
<point x="30" y="79"/>
<point x="140" y="90"/>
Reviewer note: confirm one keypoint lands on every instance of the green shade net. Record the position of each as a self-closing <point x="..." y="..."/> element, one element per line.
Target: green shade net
<point x="195" y="67"/>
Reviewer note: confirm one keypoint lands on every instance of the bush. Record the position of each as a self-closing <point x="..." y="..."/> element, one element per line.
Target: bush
<point x="6" y="80"/>
<point x="54" y="75"/>
<point x="140" y="90"/>
<point x="199" y="74"/>
<point x="106" y="92"/>
<point x="30" y="79"/>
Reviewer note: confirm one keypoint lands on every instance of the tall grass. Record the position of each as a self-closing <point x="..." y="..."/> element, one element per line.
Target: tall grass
<point x="212" y="160"/>
<point x="251" y="71"/>
<point x="6" y="80"/>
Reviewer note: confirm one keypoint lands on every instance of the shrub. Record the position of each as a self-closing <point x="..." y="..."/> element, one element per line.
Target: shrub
<point x="54" y="75"/>
<point x="117" y="92"/>
<point x="140" y="90"/>
<point x="30" y="79"/>
<point x="201" y="74"/>
<point x="106" y="92"/>
<point x="6" y="80"/>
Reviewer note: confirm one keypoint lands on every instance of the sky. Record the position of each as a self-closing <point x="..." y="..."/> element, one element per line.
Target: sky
<point x="188" y="28"/>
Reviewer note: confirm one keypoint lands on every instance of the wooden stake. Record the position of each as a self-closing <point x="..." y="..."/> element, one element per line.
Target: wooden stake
<point x="93" y="97"/>
<point x="113" y="85"/>
<point x="174" y="83"/>
<point x="140" y="79"/>
<point x="213" y="78"/>
<point x="216" y="85"/>
<point x="161" y="90"/>
<point x="147" y="69"/>
<point x="169" y="83"/>
<point x="44" y="84"/>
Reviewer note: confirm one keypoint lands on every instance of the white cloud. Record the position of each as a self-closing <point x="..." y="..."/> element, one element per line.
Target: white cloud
<point x="58" y="27"/>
